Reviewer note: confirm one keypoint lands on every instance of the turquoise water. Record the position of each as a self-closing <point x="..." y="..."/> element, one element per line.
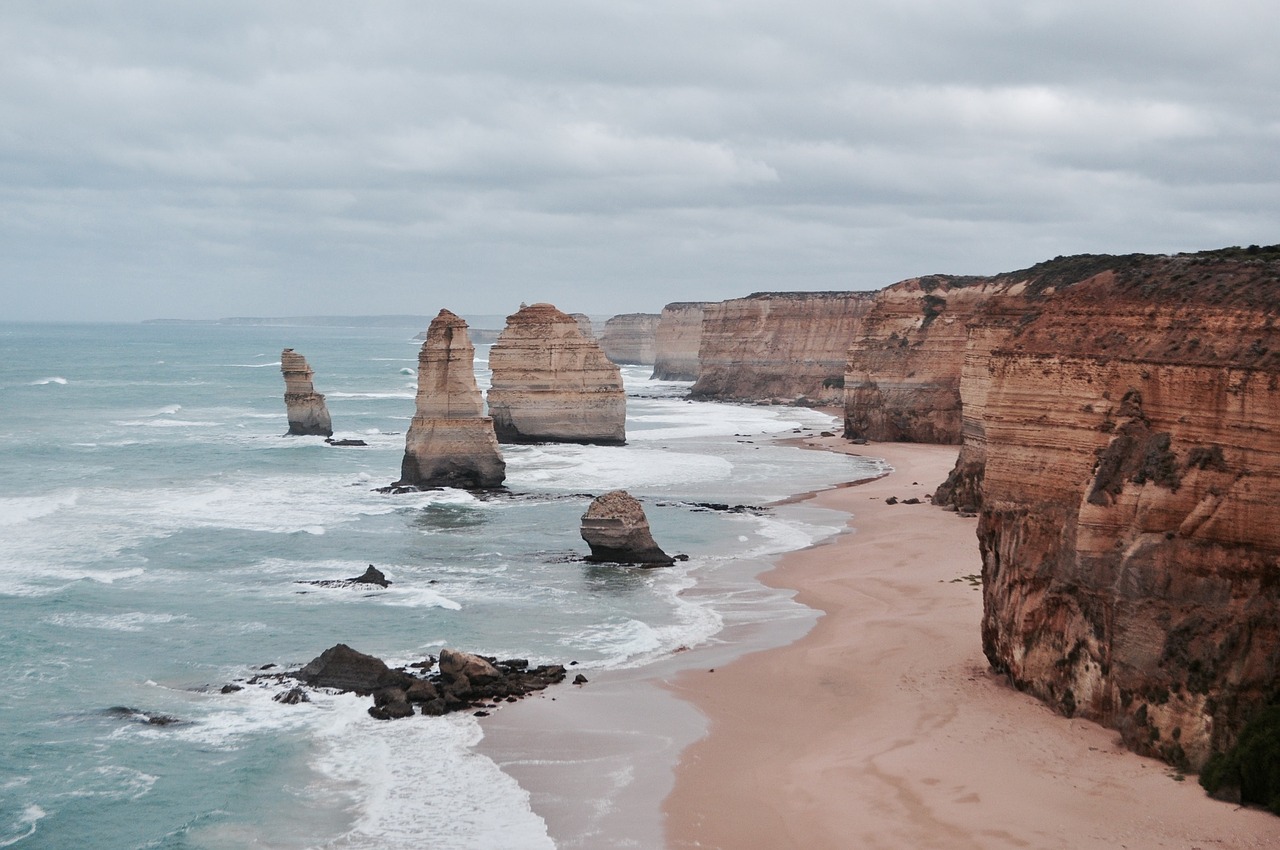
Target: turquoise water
<point x="155" y="528"/>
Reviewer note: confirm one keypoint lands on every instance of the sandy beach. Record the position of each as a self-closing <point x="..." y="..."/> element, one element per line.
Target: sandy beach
<point x="883" y="727"/>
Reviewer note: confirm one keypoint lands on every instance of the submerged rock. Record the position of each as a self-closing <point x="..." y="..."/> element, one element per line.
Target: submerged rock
<point x="451" y="442"/>
<point x="308" y="415"/>
<point x="617" y="531"/>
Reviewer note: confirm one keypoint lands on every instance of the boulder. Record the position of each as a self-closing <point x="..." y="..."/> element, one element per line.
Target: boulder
<point x="344" y="669"/>
<point x="617" y="531"/>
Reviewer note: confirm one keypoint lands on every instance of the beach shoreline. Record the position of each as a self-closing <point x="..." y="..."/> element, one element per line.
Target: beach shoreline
<point x="884" y="727"/>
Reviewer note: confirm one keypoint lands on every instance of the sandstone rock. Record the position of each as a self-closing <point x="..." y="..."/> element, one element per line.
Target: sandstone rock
<point x="617" y="531"/>
<point x="584" y="324"/>
<point x="779" y="345"/>
<point x="676" y="341"/>
<point x="450" y="443"/>
<point x="551" y="384"/>
<point x="308" y="415"/>
<point x="1132" y="473"/>
<point x="630" y="338"/>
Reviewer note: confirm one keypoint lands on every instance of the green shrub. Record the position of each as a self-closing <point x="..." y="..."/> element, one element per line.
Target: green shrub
<point x="1252" y="767"/>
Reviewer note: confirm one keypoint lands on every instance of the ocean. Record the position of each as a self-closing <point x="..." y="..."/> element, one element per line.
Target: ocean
<point x="157" y="531"/>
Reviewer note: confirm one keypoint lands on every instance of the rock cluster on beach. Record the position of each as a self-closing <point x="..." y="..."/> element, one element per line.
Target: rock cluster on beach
<point x="617" y="530"/>
<point x="552" y="384"/>
<point x="307" y="412"/>
<point x="460" y="680"/>
<point x="450" y="443"/>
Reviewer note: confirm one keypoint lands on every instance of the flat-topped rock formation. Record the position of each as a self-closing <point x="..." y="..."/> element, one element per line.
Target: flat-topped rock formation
<point x="307" y="412"/>
<point x="584" y="324"/>
<point x="1129" y="528"/>
<point x="450" y="443"/>
<point x="676" y="341"/>
<point x="617" y="530"/>
<point x="630" y="338"/>
<point x="552" y="384"/>
<point x="779" y="346"/>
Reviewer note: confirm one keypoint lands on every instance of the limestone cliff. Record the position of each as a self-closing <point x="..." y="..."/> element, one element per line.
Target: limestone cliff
<point x="1129" y="534"/>
<point x="584" y="324"/>
<point x="450" y="442"/>
<point x="552" y="384"/>
<point x="781" y="346"/>
<point x="676" y="341"/>
<point x="307" y="412"/>
<point x="630" y="338"/>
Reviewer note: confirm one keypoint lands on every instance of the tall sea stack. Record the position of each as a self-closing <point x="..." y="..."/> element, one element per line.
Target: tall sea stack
<point x="308" y="415"/>
<point x="451" y="442"/>
<point x="552" y="384"/>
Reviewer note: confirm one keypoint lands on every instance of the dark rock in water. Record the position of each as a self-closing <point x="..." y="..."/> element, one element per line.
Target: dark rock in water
<point x="139" y="716"/>
<point x="617" y="531"/>
<point x="230" y="689"/>
<point x="331" y="441"/>
<point x="343" y="668"/>
<point x="463" y="681"/>
<point x="293" y="696"/>
<point x="372" y="575"/>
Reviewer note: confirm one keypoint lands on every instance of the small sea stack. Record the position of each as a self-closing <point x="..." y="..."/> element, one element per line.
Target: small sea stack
<point x="451" y="442"/>
<point x="308" y="415"/>
<point x="552" y="384"/>
<point x="617" y="531"/>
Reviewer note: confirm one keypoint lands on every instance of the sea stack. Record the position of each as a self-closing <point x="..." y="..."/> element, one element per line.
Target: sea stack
<point x="630" y="339"/>
<point x="676" y="341"/>
<point x="551" y="384"/>
<point x="307" y="413"/>
<point x="450" y="442"/>
<point x="617" y="531"/>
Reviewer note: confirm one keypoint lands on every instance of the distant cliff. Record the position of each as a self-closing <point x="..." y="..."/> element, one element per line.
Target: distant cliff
<point x="677" y="340"/>
<point x="1129" y="533"/>
<point x="782" y="346"/>
<point x="630" y="338"/>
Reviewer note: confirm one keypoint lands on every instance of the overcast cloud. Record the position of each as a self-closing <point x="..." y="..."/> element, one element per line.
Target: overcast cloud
<point x="198" y="160"/>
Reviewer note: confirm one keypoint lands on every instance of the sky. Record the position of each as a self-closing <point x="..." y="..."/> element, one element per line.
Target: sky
<point x="246" y="158"/>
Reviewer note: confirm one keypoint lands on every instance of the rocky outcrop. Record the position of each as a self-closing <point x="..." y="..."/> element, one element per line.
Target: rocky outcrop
<point x="1131" y="553"/>
<point x="584" y="324"/>
<point x="676" y="341"/>
<point x="462" y="681"/>
<point x="450" y="443"/>
<point x="630" y="338"/>
<point x="779" y="346"/>
<point x="308" y="415"/>
<point x="552" y="384"/>
<point x="617" y="530"/>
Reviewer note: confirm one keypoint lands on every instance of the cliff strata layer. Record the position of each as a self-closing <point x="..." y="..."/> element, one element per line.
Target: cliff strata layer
<point x="450" y="443"/>
<point x="1129" y="534"/>
<point x="779" y="346"/>
<point x="677" y="339"/>
<point x="552" y="384"/>
<point x="307" y="412"/>
<point x="630" y="338"/>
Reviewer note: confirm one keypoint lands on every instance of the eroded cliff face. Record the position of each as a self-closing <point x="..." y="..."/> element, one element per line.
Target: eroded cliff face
<point x="676" y="341"/>
<point x="307" y="412"/>
<point x="779" y="346"/>
<point x="631" y="338"/>
<point x="1129" y="531"/>
<point x="552" y="384"/>
<point x="450" y="442"/>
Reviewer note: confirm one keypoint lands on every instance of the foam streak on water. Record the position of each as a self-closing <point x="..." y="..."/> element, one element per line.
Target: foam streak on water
<point x="158" y="537"/>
